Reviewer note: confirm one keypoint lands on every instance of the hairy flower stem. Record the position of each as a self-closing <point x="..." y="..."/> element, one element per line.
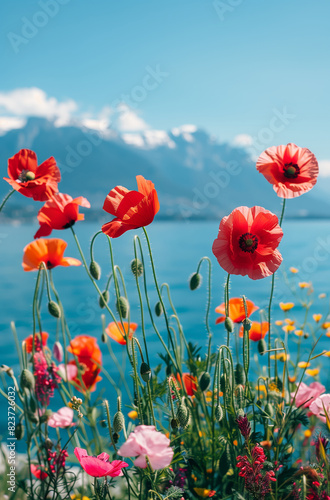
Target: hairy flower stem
<point x="208" y="306"/>
<point x="227" y="305"/>
<point x="6" y="198"/>
<point x="270" y="301"/>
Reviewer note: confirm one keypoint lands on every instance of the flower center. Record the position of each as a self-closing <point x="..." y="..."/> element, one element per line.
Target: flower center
<point x="26" y="175"/>
<point x="291" y="170"/>
<point x="248" y="242"/>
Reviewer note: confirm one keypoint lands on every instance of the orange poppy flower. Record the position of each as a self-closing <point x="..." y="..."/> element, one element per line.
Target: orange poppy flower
<point x="292" y="170"/>
<point x="61" y="212"/>
<point x="89" y="357"/>
<point x="247" y="243"/>
<point x="257" y="332"/>
<point x="39" y="183"/>
<point x="132" y="209"/>
<point x="48" y="251"/>
<point x="29" y="341"/>
<point x="236" y="310"/>
<point x="118" y="333"/>
<point x="189" y="381"/>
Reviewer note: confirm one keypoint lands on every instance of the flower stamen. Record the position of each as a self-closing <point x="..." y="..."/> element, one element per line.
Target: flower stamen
<point x="248" y="242"/>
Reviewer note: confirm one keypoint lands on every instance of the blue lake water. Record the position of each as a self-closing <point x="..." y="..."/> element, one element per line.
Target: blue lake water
<point x="177" y="248"/>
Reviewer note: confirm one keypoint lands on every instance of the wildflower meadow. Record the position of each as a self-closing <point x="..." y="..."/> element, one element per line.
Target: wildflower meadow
<point x="241" y="415"/>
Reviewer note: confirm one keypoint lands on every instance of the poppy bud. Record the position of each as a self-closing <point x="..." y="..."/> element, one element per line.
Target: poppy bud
<point x="223" y="383"/>
<point x="229" y="324"/>
<point x="54" y="309"/>
<point x="247" y="323"/>
<point x="30" y="176"/>
<point x="269" y="409"/>
<point x="27" y="379"/>
<point x="158" y="309"/>
<point x="262" y="346"/>
<point x="48" y="444"/>
<point x="122" y="306"/>
<point x="104" y="338"/>
<point x="204" y="381"/>
<point x="7" y="369"/>
<point x="174" y="423"/>
<point x="58" y="352"/>
<point x="137" y="267"/>
<point x="19" y="431"/>
<point x="118" y="422"/>
<point x="239" y="374"/>
<point x="182" y="415"/>
<point x="239" y="396"/>
<point x="95" y="270"/>
<point x="145" y="372"/>
<point x="219" y="412"/>
<point x="115" y="436"/>
<point x="32" y="417"/>
<point x="104" y="299"/>
<point x="195" y="281"/>
<point x="45" y="416"/>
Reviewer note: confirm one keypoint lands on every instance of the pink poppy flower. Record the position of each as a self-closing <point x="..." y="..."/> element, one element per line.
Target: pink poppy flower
<point x="292" y="170"/>
<point x="144" y="442"/>
<point x="38" y="472"/>
<point x="317" y="407"/>
<point x="70" y="371"/>
<point x="62" y="418"/>
<point x="99" y="466"/>
<point x="307" y="394"/>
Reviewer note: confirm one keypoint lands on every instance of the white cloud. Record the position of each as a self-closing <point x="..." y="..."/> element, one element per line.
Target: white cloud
<point x="242" y="140"/>
<point x="184" y="129"/>
<point x="35" y="102"/>
<point x="8" y="123"/>
<point x="128" y="120"/>
<point x="324" y="168"/>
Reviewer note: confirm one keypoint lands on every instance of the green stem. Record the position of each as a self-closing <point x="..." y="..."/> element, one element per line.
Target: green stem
<point x="6" y="198"/>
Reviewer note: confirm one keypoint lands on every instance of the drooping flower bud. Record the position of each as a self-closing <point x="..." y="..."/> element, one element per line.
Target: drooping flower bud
<point x="262" y="346"/>
<point x="145" y="372"/>
<point x="9" y="371"/>
<point x="239" y="374"/>
<point x="48" y="444"/>
<point x="229" y="324"/>
<point x="27" y="379"/>
<point x="239" y="396"/>
<point x="33" y="405"/>
<point x="204" y="381"/>
<point x="195" y="281"/>
<point x="118" y="422"/>
<point x="32" y="417"/>
<point x="137" y="267"/>
<point x="122" y="306"/>
<point x="19" y="431"/>
<point x="54" y="309"/>
<point x="58" y="352"/>
<point x="45" y="416"/>
<point x="174" y="423"/>
<point x="247" y="323"/>
<point x="95" y="270"/>
<point x="104" y="299"/>
<point x="158" y="309"/>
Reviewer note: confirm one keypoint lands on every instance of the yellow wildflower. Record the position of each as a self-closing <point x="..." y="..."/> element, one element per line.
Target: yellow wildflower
<point x="308" y="433"/>
<point x="304" y="364"/>
<point x="289" y="321"/>
<point x="304" y="284"/>
<point x="133" y="414"/>
<point x="279" y="322"/>
<point x="280" y="356"/>
<point x="326" y="353"/>
<point x="312" y="372"/>
<point x="299" y="333"/>
<point x="204" y="493"/>
<point x="286" y="306"/>
<point x="294" y="270"/>
<point x="328" y="333"/>
<point x="317" y="317"/>
<point x="292" y="379"/>
<point x="326" y="325"/>
<point x="288" y="328"/>
<point x="322" y="295"/>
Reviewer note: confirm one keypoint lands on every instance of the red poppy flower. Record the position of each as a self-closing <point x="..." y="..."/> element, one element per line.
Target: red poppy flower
<point x="61" y="212"/>
<point x="118" y="333"/>
<point x="257" y="332"/>
<point x="48" y="251"/>
<point x="189" y="381"/>
<point x="132" y="209"/>
<point x="89" y="357"/>
<point x="236" y="310"/>
<point x="29" y="342"/>
<point x="39" y="183"/>
<point x="247" y="243"/>
<point x="38" y="472"/>
<point x="292" y="170"/>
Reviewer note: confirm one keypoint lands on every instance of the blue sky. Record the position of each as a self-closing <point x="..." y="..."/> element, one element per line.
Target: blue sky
<point x="228" y="66"/>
